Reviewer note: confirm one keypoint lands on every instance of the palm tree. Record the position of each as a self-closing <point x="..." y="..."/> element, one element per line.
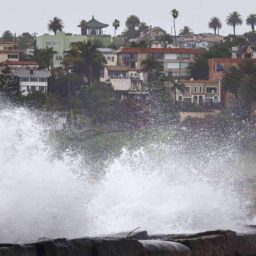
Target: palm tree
<point x="251" y="21"/>
<point x="234" y="19"/>
<point x="83" y="26"/>
<point x="215" y="24"/>
<point x="116" y="25"/>
<point x="85" y="60"/>
<point x="175" y="14"/>
<point x="56" y="24"/>
<point x="186" y="31"/>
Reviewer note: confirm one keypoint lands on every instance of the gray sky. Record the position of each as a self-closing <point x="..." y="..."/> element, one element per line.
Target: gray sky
<point x="33" y="15"/>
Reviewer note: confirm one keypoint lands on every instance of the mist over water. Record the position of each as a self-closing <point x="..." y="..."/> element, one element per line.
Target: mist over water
<point x="162" y="187"/>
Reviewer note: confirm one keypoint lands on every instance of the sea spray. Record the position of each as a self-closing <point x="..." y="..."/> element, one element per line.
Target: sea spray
<point x="164" y="187"/>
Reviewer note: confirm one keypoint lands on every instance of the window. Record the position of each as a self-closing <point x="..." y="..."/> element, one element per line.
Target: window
<point x="211" y="89"/>
<point x="33" y="79"/>
<point x="184" y="56"/>
<point x="220" y="68"/>
<point x="24" y="79"/>
<point x="195" y="89"/>
<point x="113" y="59"/>
<point x="42" y="79"/>
<point x="13" y="56"/>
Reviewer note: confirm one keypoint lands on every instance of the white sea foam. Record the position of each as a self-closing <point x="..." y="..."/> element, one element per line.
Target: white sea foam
<point x="159" y="187"/>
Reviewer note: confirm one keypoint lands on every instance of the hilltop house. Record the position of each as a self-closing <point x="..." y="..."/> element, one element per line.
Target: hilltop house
<point x="110" y="56"/>
<point x="175" y="60"/>
<point x="203" y="40"/>
<point x="124" y="80"/>
<point x="8" y="51"/>
<point x="32" y="80"/>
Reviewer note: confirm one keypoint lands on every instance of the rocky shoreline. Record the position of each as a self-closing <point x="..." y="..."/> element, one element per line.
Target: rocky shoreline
<point x="210" y="243"/>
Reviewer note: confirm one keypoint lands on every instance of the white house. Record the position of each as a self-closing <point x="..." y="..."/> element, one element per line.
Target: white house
<point x="32" y="80"/>
<point x="110" y="55"/>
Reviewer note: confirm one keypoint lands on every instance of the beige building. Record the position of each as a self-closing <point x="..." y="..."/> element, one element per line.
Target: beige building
<point x="110" y="56"/>
<point x="175" y="60"/>
<point x="200" y="91"/>
<point x="8" y="51"/>
<point x="124" y="79"/>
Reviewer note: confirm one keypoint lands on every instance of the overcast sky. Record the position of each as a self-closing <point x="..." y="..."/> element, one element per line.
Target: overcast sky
<point x="33" y="15"/>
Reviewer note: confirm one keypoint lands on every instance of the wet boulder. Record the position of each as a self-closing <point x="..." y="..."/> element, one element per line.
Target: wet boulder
<point x="165" y="248"/>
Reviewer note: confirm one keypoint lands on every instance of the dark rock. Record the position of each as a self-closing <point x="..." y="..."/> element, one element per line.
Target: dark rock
<point x="18" y="250"/>
<point x="123" y="247"/>
<point x="246" y="244"/>
<point x="165" y="248"/>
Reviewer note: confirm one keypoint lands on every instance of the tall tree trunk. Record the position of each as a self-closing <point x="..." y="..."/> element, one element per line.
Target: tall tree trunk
<point x="234" y="29"/>
<point x="175" y="39"/>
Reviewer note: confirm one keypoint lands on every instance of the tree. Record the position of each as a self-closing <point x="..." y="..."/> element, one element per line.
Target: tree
<point x="199" y="68"/>
<point x="241" y="81"/>
<point x="83" y="26"/>
<point x="165" y="39"/>
<point x="132" y="31"/>
<point x="85" y="60"/>
<point x="8" y="86"/>
<point x="44" y="57"/>
<point x="186" y="31"/>
<point x="132" y="22"/>
<point x="143" y="27"/>
<point x="56" y="24"/>
<point x="116" y="25"/>
<point x="251" y="21"/>
<point x="26" y="40"/>
<point x="234" y="19"/>
<point x="100" y="101"/>
<point x="175" y="14"/>
<point x="215" y="24"/>
<point x="7" y="36"/>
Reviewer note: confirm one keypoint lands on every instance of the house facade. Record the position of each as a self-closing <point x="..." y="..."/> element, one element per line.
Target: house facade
<point x="60" y="43"/>
<point x="124" y="79"/>
<point x="175" y="61"/>
<point x="9" y="51"/>
<point x="32" y="80"/>
<point x="200" y="92"/>
<point x="218" y="66"/>
<point x="203" y="40"/>
<point x="110" y="56"/>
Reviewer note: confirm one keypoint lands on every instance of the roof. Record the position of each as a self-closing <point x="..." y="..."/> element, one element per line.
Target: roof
<point x="95" y="24"/>
<point x="8" y="42"/>
<point x="106" y="50"/>
<point x="10" y="51"/>
<point x="122" y="68"/>
<point x="35" y="73"/>
<point x="159" y="50"/>
<point x="8" y="62"/>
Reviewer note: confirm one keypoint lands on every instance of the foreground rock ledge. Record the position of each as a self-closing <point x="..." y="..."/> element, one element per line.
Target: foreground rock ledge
<point x="211" y="243"/>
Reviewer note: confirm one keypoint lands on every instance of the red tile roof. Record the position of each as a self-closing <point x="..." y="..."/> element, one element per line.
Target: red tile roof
<point x="159" y="50"/>
<point x="8" y="42"/>
<point x="8" y="62"/>
<point x="10" y="51"/>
